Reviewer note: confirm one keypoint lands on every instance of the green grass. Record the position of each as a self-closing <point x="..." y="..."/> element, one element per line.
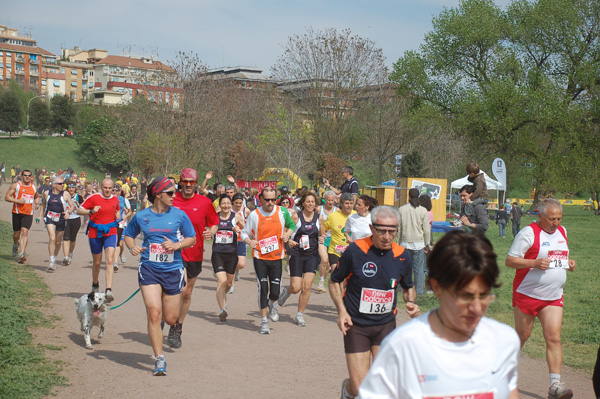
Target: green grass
<point x="581" y="319"/>
<point x="52" y="152"/>
<point x="24" y="370"/>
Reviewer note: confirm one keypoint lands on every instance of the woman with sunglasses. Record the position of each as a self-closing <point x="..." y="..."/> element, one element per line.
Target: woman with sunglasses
<point x="224" y="251"/>
<point x="73" y="224"/>
<point x="452" y="351"/>
<point x="161" y="273"/>
<point x="304" y="256"/>
<point x="243" y="211"/>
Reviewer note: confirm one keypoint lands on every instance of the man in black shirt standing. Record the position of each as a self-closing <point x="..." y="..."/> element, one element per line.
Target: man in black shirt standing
<point x="350" y="184"/>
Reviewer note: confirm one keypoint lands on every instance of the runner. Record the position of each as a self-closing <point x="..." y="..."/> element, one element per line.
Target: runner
<point x="134" y="198"/>
<point x="124" y="216"/>
<point x="24" y="198"/>
<point x="243" y="211"/>
<point x="161" y="272"/>
<point x="304" y="254"/>
<point x="267" y="229"/>
<point x="324" y="211"/>
<point x="104" y="211"/>
<point x="453" y="351"/>
<point x="224" y="251"/>
<point x="358" y="224"/>
<point x="56" y="209"/>
<point x="203" y="216"/>
<point x="540" y="254"/>
<point x="73" y="224"/>
<point x="373" y="267"/>
<point x="335" y="223"/>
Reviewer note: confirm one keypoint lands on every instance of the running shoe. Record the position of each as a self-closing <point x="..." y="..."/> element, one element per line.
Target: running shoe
<point x="116" y="266"/>
<point x="69" y="259"/>
<point x="95" y="288"/>
<point x="231" y="290"/>
<point x="123" y="258"/>
<point x="66" y="261"/>
<point x="15" y="251"/>
<point x="300" y="320"/>
<point x="321" y="286"/>
<point x="51" y="266"/>
<point x="273" y="313"/>
<point x="287" y="269"/>
<point x="345" y="394"/>
<point x="160" y="367"/>
<point x="223" y="315"/>
<point x="174" y="337"/>
<point x="283" y="297"/>
<point x="22" y="258"/>
<point x="109" y="295"/>
<point x="559" y="391"/>
<point x="237" y="274"/>
<point x="264" y="327"/>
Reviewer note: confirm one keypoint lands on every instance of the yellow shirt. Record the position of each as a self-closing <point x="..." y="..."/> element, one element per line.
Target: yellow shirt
<point x="335" y="223"/>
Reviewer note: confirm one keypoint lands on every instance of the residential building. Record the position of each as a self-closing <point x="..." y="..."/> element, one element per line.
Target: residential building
<point x="21" y="59"/>
<point x="244" y="77"/>
<point x="129" y="77"/>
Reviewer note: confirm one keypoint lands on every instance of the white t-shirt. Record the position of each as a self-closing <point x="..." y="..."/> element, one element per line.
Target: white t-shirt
<point x="546" y="284"/>
<point x="414" y="363"/>
<point x="358" y="226"/>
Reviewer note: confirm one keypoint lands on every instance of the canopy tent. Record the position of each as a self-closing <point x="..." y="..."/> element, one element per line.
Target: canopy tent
<point x="491" y="185"/>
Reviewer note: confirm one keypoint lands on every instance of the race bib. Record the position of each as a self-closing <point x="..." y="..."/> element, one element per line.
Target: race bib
<point x="558" y="259"/>
<point x="159" y="254"/>
<point x="122" y="224"/>
<point x="28" y="198"/>
<point x="374" y="301"/>
<point x="268" y="245"/>
<point x="224" y="237"/>
<point x="474" y="395"/>
<point x="340" y="248"/>
<point x="54" y="216"/>
<point x="304" y="244"/>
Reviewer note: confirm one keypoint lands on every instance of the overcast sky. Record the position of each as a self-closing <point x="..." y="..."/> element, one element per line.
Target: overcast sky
<point x="223" y="33"/>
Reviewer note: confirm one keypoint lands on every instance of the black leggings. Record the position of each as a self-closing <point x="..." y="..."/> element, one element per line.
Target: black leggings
<point x="268" y="275"/>
<point x="596" y="376"/>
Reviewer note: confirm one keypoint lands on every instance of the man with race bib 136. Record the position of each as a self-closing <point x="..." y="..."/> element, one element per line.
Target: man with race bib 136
<point x="373" y="268"/>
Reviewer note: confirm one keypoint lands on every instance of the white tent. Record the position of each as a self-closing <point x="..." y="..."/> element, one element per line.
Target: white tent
<point x="491" y="184"/>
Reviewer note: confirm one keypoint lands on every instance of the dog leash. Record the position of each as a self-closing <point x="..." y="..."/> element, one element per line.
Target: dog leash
<point x="126" y="300"/>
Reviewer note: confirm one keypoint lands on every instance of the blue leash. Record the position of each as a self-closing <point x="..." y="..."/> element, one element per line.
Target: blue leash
<point x="126" y="300"/>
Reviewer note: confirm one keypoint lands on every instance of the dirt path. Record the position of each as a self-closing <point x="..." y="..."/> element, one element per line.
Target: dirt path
<point x="221" y="360"/>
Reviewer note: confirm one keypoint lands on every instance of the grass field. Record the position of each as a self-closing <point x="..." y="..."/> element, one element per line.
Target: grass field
<point x="581" y="320"/>
<point x="24" y="371"/>
<point x="52" y="152"/>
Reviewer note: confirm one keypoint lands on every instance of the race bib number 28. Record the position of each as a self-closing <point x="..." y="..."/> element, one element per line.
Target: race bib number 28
<point x="374" y="301"/>
<point x="558" y="259"/>
<point x="159" y="254"/>
<point x="224" y="237"/>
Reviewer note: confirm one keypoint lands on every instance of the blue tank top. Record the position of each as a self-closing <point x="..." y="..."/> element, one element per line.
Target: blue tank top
<point x="225" y="238"/>
<point x="55" y="205"/>
<point x="306" y="235"/>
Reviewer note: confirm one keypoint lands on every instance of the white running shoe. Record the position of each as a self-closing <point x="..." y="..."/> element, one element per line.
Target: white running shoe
<point x="321" y="286"/>
<point x="237" y="274"/>
<point x="264" y="328"/>
<point x="283" y="297"/>
<point x="299" y="320"/>
<point x="231" y="290"/>
<point x="273" y="313"/>
<point x="223" y="315"/>
<point x="116" y="266"/>
<point x="123" y="258"/>
<point x="558" y="390"/>
<point x="51" y="266"/>
<point x="15" y="251"/>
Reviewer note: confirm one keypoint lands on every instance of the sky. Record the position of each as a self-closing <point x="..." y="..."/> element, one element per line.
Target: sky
<point x="222" y="33"/>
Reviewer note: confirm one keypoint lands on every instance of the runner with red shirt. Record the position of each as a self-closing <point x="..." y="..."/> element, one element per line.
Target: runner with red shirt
<point x="103" y="209"/>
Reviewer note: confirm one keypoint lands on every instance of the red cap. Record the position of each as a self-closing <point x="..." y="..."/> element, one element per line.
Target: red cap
<point x="189" y="173"/>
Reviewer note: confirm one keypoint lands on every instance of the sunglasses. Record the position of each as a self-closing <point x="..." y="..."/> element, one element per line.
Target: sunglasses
<point x="285" y="202"/>
<point x="27" y="175"/>
<point x="269" y="199"/>
<point x="187" y="182"/>
<point x="169" y="193"/>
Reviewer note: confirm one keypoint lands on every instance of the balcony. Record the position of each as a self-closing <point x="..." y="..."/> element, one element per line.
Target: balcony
<point x="20" y="72"/>
<point x="34" y="72"/>
<point x="20" y="58"/>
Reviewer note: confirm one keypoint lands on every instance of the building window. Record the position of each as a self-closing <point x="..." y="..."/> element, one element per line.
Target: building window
<point x="8" y="53"/>
<point x="131" y="92"/>
<point x="62" y="70"/>
<point x="43" y="83"/>
<point x="8" y="65"/>
<point x="91" y="84"/>
<point x="1" y="65"/>
<point x="73" y="84"/>
<point x="1" y="53"/>
<point x="33" y="57"/>
<point x="91" y="73"/>
<point x="73" y="96"/>
<point x="56" y="83"/>
<point x="73" y="71"/>
<point x="167" y="97"/>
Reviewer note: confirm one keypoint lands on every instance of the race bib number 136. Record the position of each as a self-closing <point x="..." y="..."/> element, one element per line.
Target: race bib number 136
<point x="374" y="301"/>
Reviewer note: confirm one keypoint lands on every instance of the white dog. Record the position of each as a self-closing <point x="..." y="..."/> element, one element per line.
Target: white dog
<point x="91" y="311"/>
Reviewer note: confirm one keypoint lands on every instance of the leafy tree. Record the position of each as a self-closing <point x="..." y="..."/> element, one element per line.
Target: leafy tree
<point x="63" y="112"/>
<point x="11" y="112"/>
<point x="412" y="165"/>
<point x="97" y="146"/>
<point x="39" y="116"/>
<point x="325" y="71"/>
<point x="513" y="83"/>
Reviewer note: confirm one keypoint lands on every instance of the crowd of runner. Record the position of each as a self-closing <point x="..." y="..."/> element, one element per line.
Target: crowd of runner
<point x="367" y="248"/>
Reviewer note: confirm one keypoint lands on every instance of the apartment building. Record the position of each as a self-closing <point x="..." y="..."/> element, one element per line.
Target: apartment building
<point x="21" y="59"/>
<point x="244" y="77"/>
<point x="119" y="79"/>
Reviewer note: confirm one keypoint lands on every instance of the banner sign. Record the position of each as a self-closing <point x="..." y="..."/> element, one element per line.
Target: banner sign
<point x="433" y="190"/>
<point x="499" y="171"/>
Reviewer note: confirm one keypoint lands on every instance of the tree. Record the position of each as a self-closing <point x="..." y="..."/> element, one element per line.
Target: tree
<point x="39" y="116"/>
<point x="512" y="82"/>
<point x="412" y="165"/>
<point x="11" y="112"/>
<point x="63" y="112"/>
<point x="325" y="71"/>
